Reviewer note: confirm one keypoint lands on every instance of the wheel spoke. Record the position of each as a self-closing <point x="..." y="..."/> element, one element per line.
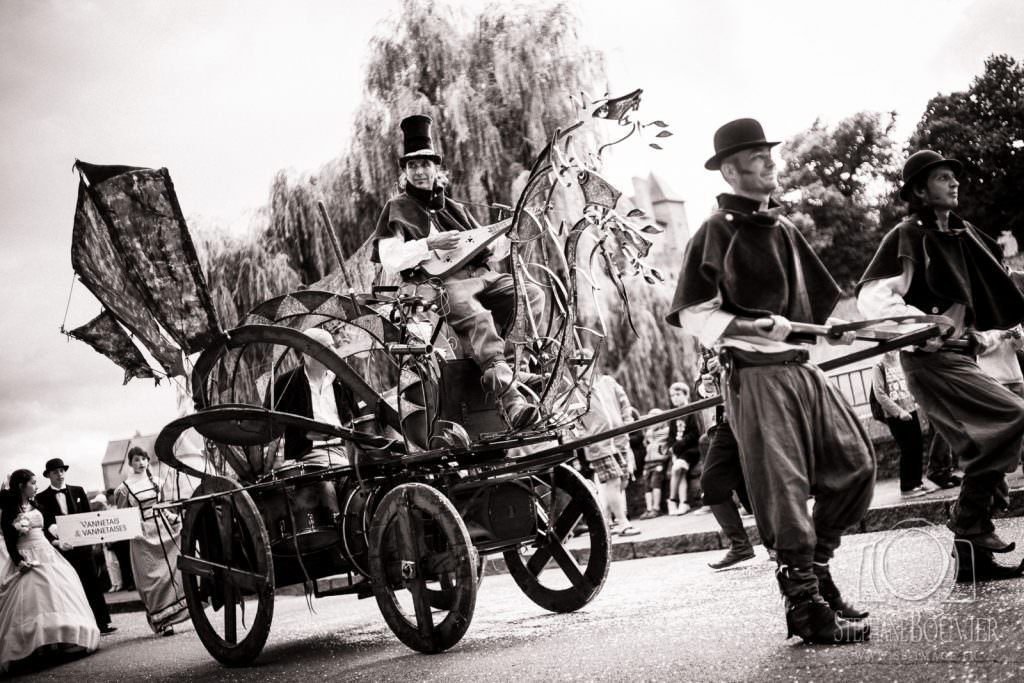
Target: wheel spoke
<point x="540" y="558"/>
<point x="230" y="620"/>
<point x="568" y="564"/>
<point x="410" y="536"/>
<point x="568" y="519"/>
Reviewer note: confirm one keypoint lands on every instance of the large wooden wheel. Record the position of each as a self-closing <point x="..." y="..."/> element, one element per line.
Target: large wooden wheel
<point x="551" y="576"/>
<point x="227" y="571"/>
<point x="423" y="567"/>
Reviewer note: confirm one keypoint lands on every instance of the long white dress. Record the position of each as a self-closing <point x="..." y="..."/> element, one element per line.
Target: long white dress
<point x="155" y="554"/>
<point x="44" y="606"/>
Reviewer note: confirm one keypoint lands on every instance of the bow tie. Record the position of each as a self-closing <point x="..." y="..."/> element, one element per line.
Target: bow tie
<point x="64" y="491"/>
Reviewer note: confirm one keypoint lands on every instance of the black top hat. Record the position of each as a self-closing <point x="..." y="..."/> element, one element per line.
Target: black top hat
<point x="735" y="136"/>
<point x="920" y="163"/>
<point x="416" y="143"/>
<point x="54" y="464"/>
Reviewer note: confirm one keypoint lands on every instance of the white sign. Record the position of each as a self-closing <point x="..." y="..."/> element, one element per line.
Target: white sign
<point x="102" y="526"/>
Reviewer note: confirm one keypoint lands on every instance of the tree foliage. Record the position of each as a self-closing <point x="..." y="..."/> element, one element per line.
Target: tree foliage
<point x="841" y="182"/>
<point x="983" y="127"/>
<point x="497" y="87"/>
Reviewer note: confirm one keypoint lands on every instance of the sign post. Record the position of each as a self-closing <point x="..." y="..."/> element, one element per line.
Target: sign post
<point x="102" y="526"/>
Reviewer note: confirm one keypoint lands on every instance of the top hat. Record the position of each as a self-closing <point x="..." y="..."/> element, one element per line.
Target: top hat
<point x="735" y="136"/>
<point x="54" y="464"/>
<point x="416" y="143"/>
<point x="920" y="163"/>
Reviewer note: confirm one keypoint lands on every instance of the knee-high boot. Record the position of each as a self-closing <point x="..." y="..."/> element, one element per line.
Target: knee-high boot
<point x="740" y="549"/>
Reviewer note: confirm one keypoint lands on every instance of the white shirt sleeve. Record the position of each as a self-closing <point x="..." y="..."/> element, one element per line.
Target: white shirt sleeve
<point x="397" y="255"/>
<point x="884" y="298"/>
<point x="706" y="321"/>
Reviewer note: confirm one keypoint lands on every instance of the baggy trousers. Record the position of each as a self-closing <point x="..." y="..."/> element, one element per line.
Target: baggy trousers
<point x="799" y="438"/>
<point x="481" y="301"/>
<point x="980" y="419"/>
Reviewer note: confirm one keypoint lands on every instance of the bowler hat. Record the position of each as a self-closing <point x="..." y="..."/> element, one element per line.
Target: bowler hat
<point x="919" y="164"/>
<point x="735" y="136"/>
<point x="416" y="143"/>
<point x="54" y="464"/>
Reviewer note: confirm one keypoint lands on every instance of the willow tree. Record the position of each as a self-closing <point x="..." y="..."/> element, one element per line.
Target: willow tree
<point x="497" y="86"/>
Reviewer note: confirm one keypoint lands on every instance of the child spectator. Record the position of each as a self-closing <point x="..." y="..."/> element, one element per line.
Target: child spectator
<point x="655" y="462"/>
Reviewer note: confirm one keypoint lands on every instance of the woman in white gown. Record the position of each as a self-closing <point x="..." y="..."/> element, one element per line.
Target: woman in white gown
<point x="42" y="604"/>
<point x="155" y="553"/>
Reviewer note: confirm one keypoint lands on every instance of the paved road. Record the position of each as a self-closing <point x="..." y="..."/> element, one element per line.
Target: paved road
<point x="658" y="619"/>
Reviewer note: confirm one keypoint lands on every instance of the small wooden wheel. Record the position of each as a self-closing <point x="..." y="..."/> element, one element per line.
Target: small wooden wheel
<point x="227" y="568"/>
<point x="551" y="576"/>
<point x="423" y="567"/>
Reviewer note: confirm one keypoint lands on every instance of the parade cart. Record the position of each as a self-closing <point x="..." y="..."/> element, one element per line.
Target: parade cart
<point x="432" y="479"/>
<point x="428" y="477"/>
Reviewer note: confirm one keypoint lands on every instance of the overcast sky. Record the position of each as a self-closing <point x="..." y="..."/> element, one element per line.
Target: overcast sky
<point x="224" y="94"/>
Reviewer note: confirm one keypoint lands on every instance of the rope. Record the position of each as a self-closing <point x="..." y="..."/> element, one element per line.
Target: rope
<point x="67" y="307"/>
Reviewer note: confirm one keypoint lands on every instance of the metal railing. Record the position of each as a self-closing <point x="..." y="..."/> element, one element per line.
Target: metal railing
<point x="854" y="385"/>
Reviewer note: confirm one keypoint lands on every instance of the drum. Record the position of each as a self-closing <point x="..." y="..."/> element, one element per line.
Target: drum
<point x="301" y="516"/>
<point x="358" y="503"/>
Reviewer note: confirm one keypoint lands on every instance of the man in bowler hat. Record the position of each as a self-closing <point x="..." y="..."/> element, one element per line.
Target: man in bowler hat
<point x="747" y="274"/>
<point x="422" y="219"/>
<point x="935" y="262"/>
<point x="63" y="499"/>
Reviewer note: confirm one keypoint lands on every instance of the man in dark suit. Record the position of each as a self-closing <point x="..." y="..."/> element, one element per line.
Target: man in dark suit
<point x="61" y="499"/>
<point x="312" y="391"/>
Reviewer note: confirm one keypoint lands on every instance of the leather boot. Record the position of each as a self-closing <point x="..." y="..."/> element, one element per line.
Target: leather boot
<point x="517" y="411"/>
<point x="830" y="592"/>
<point x="974" y="563"/>
<point x="809" y="616"/>
<point x="740" y="549"/>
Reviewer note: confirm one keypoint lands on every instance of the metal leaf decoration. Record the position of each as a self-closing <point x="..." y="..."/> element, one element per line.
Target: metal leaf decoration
<point x="616" y="108"/>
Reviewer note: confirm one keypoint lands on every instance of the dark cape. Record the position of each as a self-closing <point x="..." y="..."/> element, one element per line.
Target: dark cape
<point x="758" y="262"/>
<point x="961" y="266"/>
<point x="409" y="215"/>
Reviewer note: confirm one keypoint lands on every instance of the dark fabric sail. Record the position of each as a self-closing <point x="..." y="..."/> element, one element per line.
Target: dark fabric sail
<point x="132" y="249"/>
<point x="104" y="334"/>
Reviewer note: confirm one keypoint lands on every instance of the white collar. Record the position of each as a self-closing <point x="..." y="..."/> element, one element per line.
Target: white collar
<point x="328" y="378"/>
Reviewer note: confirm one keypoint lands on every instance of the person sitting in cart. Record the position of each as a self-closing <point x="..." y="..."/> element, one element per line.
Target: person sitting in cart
<point x="422" y="219"/>
<point x="311" y="390"/>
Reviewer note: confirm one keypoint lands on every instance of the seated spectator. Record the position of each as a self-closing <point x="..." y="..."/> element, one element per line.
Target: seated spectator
<point x="684" y="444"/>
